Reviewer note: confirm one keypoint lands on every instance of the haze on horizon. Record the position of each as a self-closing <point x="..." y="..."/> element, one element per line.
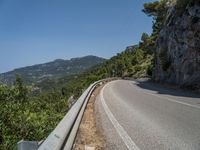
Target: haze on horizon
<point x="35" y="31"/>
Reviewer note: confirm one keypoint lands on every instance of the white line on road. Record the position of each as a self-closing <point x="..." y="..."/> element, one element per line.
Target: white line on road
<point x="175" y="101"/>
<point x="120" y="130"/>
<point x="169" y="99"/>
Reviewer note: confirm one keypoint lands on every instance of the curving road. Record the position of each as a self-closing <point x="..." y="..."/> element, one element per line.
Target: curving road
<point x="140" y="115"/>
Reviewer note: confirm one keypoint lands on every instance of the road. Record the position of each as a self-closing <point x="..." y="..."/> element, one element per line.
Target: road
<point x="140" y="115"/>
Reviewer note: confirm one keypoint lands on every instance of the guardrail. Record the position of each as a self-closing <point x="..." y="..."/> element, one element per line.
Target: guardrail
<point x="63" y="136"/>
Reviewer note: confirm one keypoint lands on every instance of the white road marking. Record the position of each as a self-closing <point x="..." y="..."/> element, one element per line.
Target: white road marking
<point x="173" y="100"/>
<point x="120" y="130"/>
<point x="169" y="99"/>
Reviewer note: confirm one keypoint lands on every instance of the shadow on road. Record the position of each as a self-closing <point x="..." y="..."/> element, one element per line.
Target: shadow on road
<point x="162" y="89"/>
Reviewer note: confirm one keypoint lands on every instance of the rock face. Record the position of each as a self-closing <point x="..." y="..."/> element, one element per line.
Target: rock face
<point x="178" y="52"/>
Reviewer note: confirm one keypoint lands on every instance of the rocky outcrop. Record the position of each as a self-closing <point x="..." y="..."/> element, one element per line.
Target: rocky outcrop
<point x="178" y="48"/>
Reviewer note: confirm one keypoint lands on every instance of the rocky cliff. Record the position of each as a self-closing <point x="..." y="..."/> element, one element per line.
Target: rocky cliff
<point x="178" y="48"/>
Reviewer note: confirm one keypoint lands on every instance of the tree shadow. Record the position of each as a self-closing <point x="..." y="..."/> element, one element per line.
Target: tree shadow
<point x="163" y="89"/>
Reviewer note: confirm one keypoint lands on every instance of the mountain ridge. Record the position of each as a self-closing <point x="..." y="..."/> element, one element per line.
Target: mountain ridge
<point x="52" y="69"/>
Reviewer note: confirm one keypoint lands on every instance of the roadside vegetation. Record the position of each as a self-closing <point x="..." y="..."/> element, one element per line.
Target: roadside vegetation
<point x="28" y="117"/>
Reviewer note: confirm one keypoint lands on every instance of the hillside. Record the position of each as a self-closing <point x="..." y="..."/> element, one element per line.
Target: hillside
<point x="51" y="70"/>
<point x="132" y="62"/>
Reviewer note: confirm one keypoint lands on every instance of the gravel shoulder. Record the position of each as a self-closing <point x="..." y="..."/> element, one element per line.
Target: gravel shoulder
<point x="89" y="136"/>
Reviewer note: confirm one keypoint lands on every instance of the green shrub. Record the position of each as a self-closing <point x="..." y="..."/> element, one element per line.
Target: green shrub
<point x="28" y="117"/>
<point x="137" y="68"/>
<point x="138" y="56"/>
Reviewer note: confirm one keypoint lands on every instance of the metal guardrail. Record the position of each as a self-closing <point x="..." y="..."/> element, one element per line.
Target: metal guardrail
<point x="63" y="136"/>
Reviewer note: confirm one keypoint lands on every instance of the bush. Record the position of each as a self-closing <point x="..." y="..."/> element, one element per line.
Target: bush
<point x="28" y="117"/>
<point x="138" y="56"/>
<point x="137" y="68"/>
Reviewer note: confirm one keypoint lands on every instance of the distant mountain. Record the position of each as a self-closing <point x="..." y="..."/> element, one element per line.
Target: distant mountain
<point x="51" y="70"/>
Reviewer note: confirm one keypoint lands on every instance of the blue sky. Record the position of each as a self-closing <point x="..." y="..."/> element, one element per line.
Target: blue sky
<point x="38" y="31"/>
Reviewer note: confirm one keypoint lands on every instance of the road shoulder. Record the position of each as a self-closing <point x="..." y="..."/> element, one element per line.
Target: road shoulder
<point x="88" y="136"/>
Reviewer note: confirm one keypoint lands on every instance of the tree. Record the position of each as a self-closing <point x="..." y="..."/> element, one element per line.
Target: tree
<point x="20" y="90"/>
<point x="151" y="8"/>
<point x="144" y="37"/>
<point x="137" y="56"/>
<point x="158" y="10"/>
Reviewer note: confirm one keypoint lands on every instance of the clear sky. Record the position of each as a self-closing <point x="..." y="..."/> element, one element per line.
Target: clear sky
<point x="38" y="31"/>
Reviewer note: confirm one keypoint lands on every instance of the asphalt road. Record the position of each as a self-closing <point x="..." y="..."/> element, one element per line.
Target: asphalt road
<point x="140" y="115"/>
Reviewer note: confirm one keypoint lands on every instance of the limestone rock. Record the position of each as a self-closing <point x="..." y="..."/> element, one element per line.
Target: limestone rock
<point x="180" y="39"/>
